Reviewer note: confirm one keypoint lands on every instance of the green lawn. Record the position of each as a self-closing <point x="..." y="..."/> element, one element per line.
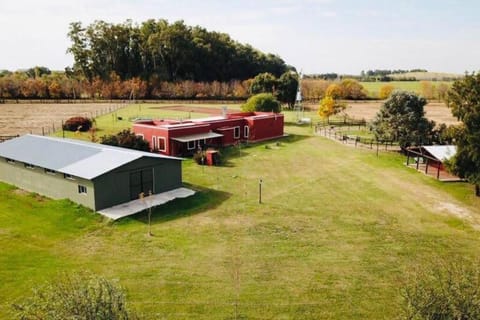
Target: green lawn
<point x="336" y="232"/>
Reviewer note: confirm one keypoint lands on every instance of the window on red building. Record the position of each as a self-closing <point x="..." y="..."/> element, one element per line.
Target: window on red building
<point x="246" y="131"/>
<point x="161" y="144"/>
<point x="236" y="132"/>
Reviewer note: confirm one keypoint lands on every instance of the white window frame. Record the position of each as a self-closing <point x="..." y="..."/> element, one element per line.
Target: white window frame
<point x="246" y="131"/>
<point x="140" y="135"/>
<point x="236" y="136"/>
<point x="11" y="161"/>
<point x="164" y="143"/>
<point x="29" y="166"/>
<point x="50" y="171"/>
<point x="190" y="147"/>
<point x="82" y="189"/>
<point x="154" y="143"/>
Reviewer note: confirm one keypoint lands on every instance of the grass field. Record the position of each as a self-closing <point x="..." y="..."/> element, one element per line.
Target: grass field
<point x="336" y="233"/>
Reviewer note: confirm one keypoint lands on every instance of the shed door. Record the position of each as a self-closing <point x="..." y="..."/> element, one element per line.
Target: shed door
<point x="141" y="181"/>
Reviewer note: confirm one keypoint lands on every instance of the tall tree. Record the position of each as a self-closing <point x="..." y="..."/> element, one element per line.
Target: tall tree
<point x="464" y="99"/>
<point x="287" y="88"/>
<point x="402" y="118"/>
<point x="263" y="83"/>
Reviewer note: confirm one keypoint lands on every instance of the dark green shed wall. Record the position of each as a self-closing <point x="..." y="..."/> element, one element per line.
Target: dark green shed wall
<point x="113" y="188"/>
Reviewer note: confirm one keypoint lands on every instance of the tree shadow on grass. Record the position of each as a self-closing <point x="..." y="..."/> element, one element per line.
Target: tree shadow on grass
<point x="204" y="199"/>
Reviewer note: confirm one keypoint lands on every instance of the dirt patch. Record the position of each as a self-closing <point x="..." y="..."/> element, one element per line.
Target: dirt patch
<point x="207" y="110"/>
<point x="454" y="209"/>
<point x="18" y="119"/>
<point x="21" y="192"/>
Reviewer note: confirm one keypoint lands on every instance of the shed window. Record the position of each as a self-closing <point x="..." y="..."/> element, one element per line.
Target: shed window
<point x="50" y="171"/>
<point x="10" y="161"/>
<point x="161" y="144"/>
<point x="82" y="189"/>
<point x="246" y="131"/>
<point x="236" y="132"/>
<point x="29" y="166"/>
<point x="191" y="145"/>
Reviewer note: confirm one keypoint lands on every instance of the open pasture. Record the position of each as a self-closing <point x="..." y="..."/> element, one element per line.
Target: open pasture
<point x="436" y="111"/>
<point x="22" y="118"/>
<point x="336" y="232"/>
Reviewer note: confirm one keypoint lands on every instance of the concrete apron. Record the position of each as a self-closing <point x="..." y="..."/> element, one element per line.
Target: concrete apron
<point x="135" y="206"/>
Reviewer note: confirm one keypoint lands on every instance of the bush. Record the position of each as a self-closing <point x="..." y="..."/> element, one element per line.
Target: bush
<point x="262" y="102"/>
<point x="443" y="290"/>
<point x="126" y="139"/>
<point x="78" y="296"/>
<point x="200" y="157"/>
<point x="77" y="124"/>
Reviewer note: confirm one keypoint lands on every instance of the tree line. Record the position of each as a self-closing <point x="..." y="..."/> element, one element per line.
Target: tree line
<point x="156" y="50"/>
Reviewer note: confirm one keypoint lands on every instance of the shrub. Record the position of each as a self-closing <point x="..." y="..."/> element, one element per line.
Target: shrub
<point x="262" y="102"/>
<point x="77" y="124"/>
<point x="77" y="296"/>
<point x="126" y="139"/>
<point x="200" y="157"/>
<point x="443" y="290"/>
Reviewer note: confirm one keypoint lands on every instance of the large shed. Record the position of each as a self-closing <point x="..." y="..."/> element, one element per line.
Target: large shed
<point x="94" y="175"/>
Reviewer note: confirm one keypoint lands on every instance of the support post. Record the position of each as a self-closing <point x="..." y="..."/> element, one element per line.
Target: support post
<point x="438" y="172"/>
<point x="260" y="191"/>
<point x="426" y="167"/>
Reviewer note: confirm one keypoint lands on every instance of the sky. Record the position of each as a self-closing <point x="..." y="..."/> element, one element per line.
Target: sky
<point x="314" y="36"/>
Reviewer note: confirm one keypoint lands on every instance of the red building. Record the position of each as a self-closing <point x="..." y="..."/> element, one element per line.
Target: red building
<point x="173" y="137"/>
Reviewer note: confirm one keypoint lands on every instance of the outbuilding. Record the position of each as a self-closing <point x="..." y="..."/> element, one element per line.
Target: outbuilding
<point x="94" y="175"/>
<point x="173" y="137"/>
<point x="430" y="160"/>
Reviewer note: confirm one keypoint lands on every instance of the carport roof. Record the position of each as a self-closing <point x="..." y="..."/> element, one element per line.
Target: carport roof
<point x="442" y="152"/>
<point x="74" y="157"/>
<point x="198" y="136"/>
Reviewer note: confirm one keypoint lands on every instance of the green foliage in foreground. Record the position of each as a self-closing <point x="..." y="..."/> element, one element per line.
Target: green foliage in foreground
<point x="443" y="290"/>
<point x="337" y="230"/>
<point x="78" y="296"/>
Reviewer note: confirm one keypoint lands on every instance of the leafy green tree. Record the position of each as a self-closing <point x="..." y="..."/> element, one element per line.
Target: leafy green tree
<point x="78" y="296"/>
<point x="263" y="83"/>
<point x="126" y="139"/>
<point x="464" y="100"/>
<point x="262" y="102"/>
<point x="287" y="88"/>
<point x="443" y="290"/>
<point x="402" y="118"/>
